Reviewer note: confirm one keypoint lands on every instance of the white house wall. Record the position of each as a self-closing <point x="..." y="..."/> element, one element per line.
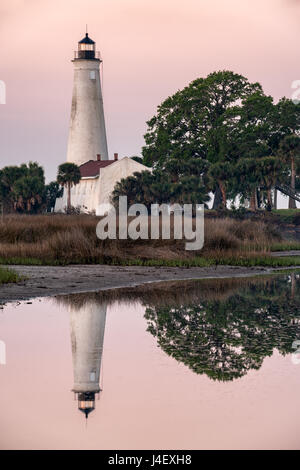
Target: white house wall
<point x="91" y="192"/>
<point x="82" y="195"/>
<point x="112" y="174"/>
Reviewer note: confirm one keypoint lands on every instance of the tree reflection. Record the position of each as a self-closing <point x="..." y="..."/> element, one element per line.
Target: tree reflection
<point x="225" y="338"/>
<point x="222" y="328"/>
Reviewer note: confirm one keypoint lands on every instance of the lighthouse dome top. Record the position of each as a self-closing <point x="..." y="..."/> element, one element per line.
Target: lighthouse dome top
<point x="86" y="40"/>
<point x="87" y="49"/>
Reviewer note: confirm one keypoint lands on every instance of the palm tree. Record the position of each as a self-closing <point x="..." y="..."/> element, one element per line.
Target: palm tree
<point x="28" y="193"/>
<point x="269" y="169"/>
<point x="68" y="175"/>
<point x="8" y="176"/>
<point x="290" y="150"/>
<point x="220" y="172"/>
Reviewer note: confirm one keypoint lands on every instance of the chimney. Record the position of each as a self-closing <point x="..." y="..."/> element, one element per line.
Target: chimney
<point x="98" y="157"/>
<point x="116" y="156"/>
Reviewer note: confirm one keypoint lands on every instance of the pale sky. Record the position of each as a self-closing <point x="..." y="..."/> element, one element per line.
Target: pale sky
<point x="150" y="48"/>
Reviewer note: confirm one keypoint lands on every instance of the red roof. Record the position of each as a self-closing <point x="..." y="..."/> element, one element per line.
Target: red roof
<point x="92" y="167"/>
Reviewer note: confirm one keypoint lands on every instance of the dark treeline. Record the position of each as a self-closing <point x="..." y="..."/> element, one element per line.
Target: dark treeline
<point x="220" y="134"/>
<point x="23" y="188"/>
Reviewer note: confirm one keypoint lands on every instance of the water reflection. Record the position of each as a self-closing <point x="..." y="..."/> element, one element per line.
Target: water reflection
<point x="186" y="367"/>
<point x="87" y="324"/>
<point x="222" y="329"/>
<point x="225" y="338"/>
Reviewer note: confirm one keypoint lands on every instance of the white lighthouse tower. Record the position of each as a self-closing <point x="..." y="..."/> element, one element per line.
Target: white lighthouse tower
<point x="87" y="336"/>
<point x="87" y="133"/>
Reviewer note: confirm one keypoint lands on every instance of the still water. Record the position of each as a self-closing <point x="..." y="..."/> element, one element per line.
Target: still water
<point x="196" y="365"/>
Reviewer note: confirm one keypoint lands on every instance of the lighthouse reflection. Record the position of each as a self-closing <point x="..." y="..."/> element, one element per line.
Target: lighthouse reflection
<point x="87" y="325"/>
<point x="219" y="328"/>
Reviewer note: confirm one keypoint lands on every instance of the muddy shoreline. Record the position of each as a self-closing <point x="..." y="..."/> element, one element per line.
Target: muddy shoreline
<point x="47" y="281"/>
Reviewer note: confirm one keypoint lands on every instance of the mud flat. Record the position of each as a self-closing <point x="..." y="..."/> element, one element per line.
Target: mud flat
<point x="45" y="281"/>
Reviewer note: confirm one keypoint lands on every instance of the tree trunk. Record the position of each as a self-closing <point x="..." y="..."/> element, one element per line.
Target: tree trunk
<point x="275" y="198"/>
<point x="270" y="202"/>
<point x="223" y="192"/>
<point x="292" y="202"/>
<point x="69" y="197"/>
<point x="258" y="198"/>
<point x="293" y="285"/>
<point x="217" y="199"/>
<point x="253" y="201"/>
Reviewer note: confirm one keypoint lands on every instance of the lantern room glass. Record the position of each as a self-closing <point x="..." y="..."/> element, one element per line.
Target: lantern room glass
<point x="86" y="405"/>
<point x="86" y="47"/>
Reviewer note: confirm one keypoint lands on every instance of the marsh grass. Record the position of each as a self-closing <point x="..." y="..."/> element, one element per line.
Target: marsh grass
<point x="8" y="276"/>
<point x="62" y="239"/>
<point x="286" y="246"/>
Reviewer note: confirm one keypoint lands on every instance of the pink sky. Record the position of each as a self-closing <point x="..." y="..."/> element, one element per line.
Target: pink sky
<point x="150" y="48"/>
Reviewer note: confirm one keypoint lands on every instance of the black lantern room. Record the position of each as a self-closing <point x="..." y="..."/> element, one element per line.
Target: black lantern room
<point x="86" y="48"/>
<point x="86" y="402"/>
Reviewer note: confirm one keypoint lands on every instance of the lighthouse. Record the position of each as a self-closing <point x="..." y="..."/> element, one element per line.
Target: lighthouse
<point x="87" y="335"/>
<point x="87" y="144"/>
<point x="87" y="133"/>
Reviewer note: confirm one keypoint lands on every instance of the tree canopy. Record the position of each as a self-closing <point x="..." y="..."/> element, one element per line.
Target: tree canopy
<point x="221" y="134"/>
<point x="22" y="188"/>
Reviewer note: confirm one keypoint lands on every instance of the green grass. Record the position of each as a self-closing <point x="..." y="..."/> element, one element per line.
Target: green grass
<point x="23" y="261"/>
<point x="253" y="261"/>
<point x="9" y="276"/>
<point x="261" y="260"/>
<point x="201" y="262"/>
<point x="287" y="212"/>
<point x="287" y="216"/>
<point x="285" y="246"/>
